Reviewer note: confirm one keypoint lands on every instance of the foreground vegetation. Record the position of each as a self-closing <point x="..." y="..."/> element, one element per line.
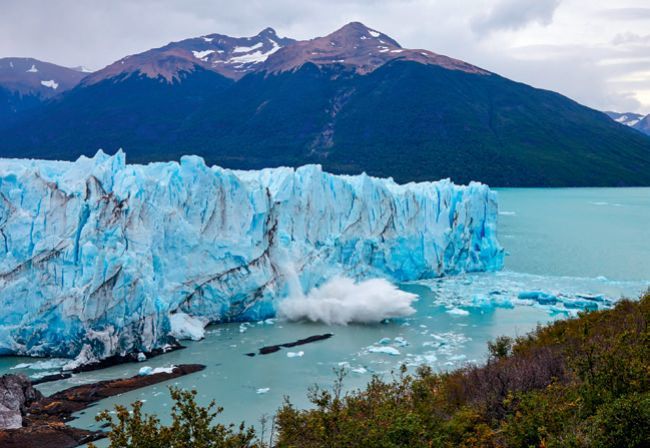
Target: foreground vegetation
<point x="582" y="382"/>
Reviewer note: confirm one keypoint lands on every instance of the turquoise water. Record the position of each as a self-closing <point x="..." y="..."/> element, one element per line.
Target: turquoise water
<point x="586" y="232"/>
<point x="565" y="242"/>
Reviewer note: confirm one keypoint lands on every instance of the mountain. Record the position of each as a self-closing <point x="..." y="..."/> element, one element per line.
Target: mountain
<point x="644" y="125"/>
<point x="357" y="47"/>
<point x="25" y="83"/>
<point x="230" y="57"/>
<point x="413" y="122"/>
<point x="636" y="121"/>
<point x="27" y="76"/>
<point x="353" y="101"/>
<point x="141" y="99"/>
<point x="626" y="118"/>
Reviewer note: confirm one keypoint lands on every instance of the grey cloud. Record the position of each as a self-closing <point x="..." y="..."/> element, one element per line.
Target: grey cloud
<point x="626" y="13"/>
<point x="515" y="14"/>
<point x="631" y="38"/>
<point x="592" y="75"/>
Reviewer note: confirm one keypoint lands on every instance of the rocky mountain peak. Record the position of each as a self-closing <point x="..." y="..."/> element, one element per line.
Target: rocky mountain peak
<point x="354" y="31"/>
<point x="358" y="47"/>
<point x="354" y="46"/>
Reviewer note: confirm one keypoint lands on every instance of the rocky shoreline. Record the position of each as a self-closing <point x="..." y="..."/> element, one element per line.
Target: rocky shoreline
<point x="30" y="420"/>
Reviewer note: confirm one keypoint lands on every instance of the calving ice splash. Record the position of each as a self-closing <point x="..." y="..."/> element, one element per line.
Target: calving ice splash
<point x="101" y="258"/>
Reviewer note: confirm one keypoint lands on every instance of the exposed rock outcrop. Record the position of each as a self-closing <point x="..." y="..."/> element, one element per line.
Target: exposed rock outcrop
<point x="16" y="395"/>
<point x="30" y="420"/>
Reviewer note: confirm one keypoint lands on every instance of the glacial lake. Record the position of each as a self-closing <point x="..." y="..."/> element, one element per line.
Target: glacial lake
<point x="570" y="243"/>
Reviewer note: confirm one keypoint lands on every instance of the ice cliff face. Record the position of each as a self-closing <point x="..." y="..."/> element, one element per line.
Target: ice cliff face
<point x="96" y="255"/>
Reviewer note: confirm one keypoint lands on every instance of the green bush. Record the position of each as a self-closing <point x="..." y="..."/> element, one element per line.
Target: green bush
<point x="623" y="423"/>
<point x="501" y="347"/>
<point x="192" y="427"/>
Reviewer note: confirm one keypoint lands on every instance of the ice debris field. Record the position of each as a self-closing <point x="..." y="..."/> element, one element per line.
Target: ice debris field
<point x="101" y="258"/>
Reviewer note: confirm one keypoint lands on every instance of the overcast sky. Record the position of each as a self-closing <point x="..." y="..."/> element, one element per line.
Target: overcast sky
<point x="594" y="51"/>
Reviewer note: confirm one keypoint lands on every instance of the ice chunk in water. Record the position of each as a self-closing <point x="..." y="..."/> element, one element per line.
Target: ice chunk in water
<point x="384" y="350"/>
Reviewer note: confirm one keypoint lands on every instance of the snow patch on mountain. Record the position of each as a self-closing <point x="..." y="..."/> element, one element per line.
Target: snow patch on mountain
<point x="51" y="84"/>
<point x="247" y="49"/>
<point x="202" y="54"/>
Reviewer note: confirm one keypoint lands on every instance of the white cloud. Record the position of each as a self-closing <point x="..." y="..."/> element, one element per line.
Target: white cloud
<point x="631" y="38"/>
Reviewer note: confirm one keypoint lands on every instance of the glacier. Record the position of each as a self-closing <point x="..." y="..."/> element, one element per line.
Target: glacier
<point x="101" y="258"/>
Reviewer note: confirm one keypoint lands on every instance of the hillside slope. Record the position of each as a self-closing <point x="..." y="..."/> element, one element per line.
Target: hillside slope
<point x="353" y="101"/>
<point x="414" y="122"/>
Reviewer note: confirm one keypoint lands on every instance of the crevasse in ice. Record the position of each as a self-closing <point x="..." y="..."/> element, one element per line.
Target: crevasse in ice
<point x="97" y="255"/>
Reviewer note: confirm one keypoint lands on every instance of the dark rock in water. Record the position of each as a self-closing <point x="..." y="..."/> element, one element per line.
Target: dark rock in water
<point x="270" y="349"/>
<point x="275" y="348"/>
<point x="42" y="419"/>
<point x="318" y="337"/>
<point x="16" y="395"/>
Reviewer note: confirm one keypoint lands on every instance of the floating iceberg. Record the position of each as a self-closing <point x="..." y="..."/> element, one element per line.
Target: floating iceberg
<point x="392" y="351"/>
<point x="101" y="258"/>
<point x="458" y="312"/>
<point x="484" y="292"/>
<point x="147" y="370"/>
<point x="539" y="296"/>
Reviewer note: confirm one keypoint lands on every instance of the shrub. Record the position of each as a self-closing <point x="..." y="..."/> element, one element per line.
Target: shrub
<point x="501" y="347"/>
<point x="192" y="427"/>
<point x="623" y="423"/>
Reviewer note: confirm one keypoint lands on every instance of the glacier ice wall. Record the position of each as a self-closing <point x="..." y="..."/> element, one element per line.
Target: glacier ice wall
<point x="96" y="255"/>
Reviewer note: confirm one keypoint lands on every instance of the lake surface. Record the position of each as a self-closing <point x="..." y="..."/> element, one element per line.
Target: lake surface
<point x="569" y="243"/>
<point x="586" y="232"/>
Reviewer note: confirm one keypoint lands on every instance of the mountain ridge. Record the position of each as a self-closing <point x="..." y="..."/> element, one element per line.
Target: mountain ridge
<point x="354" y="45"/>
<point x="353" y="100"/>
<point x="228" y="56"/>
